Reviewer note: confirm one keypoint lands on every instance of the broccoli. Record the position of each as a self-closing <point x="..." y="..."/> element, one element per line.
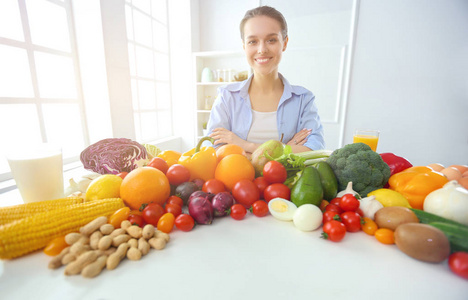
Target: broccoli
<point x="359" y="164"/>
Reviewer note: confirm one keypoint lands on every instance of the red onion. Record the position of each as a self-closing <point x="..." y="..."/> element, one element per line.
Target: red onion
<point x="201" y="210"/>
<point x="221" y="203"/>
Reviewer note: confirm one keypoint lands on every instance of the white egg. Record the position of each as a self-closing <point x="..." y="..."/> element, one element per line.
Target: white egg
<point x="282" y="209"/>
<point x="307" y="217"/>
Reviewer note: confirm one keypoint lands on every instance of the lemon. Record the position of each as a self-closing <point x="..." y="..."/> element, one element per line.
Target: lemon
<point x="390" y="197"/>
<point x="103" y="187"/>
<point x="152" y="150"/>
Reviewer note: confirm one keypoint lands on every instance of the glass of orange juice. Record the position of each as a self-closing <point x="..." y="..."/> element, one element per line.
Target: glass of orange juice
<point x="368" y="137"/>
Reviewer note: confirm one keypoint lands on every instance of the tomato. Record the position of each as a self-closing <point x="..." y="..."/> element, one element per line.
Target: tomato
<point x="323" y="204"/>
<point x="166" y="223"/>
<point x="330" y="215"/>
<point x="55" y="246"/>
<point x="213" y="186"/>
<point x="261" y="183"/>
<point x="159" y="163"/>
<point x="118" y="216"/>
<point x="276" y="190"/>
<point x="238" y="212"/>
<point x="245" y="192"/>
<point x="369" y="226"/>
<point x="122" y="174"/>
<point x="174" y="209"/>
<point x="274" y="172"/>
<point x="333" y="207"/>
<point x="349" y="203"/>
<point x="458" y="263"/>
<point x="352" y="221"/>
<point x="136" y="220"/>
<point x="177" y="174"/>
<point x="335" y="201"/>
<point x="360" y="212"/>
<point x="184" y="222"/>
<point x="259" y="208"/>
<point x="385" y="236"/>
<point x="175" y="200"/>
<point x="152" y="213"/>
<point x="135" y="212"/>
<point x="334" y="231"/>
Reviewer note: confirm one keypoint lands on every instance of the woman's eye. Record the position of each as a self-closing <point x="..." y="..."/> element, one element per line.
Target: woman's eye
<point x="271" y="41"/>
<point x="251" y="42"/>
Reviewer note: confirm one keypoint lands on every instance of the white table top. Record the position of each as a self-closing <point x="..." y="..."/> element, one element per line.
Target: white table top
<point x="256" y="258"/>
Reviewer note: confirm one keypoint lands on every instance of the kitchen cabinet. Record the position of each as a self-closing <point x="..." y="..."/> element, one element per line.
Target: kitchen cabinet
<point x="223" y="67"/>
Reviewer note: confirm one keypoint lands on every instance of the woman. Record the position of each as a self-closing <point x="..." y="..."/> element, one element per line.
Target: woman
<point x="265" y="106"/>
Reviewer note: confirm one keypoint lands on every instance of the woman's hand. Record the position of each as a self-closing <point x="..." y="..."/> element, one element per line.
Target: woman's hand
<point x="300" y="138"/>
<point x="224" y="136"/>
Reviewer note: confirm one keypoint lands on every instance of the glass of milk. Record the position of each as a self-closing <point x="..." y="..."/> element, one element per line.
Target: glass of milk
<point x="38" y="172"/>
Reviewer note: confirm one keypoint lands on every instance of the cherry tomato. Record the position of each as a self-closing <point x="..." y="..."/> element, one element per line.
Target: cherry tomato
<point x="458" y="263"/>
<point x="152" y="213"/>
<point x="175" y="200"/>
<point x="336" y="201"/>
<point x="274" y="172"/>
<point x="261" y="183"/>
<point x="55" y="246"/>
<point x="352" y="221"/>
<point x="323" y="204"/>
<point x="259" y="208"/>
<point x="330" y="215"/>
<point x="122" y="174"/>
<point x="213" y="186"/>
<point x="177" y="174"/>
<point x="174" y="209"/>
<point x="184" y="222"/>
<point x="135" y="212"/>
<point x="166" y="223"/>
<point x="238" y="212"/>
<point x="369" y="226"/>
<point x="246" y="192"/>
<point x="349" y="203"/>
<point x="276" y="190"/>
<point x="385" y="236"/>
<point x="333" y="207"/>
<point x="159" y="163"/>
<point x="118" y="216"/>
<point x="360" y="212"/>
<point x="136" y="220"/>
<point x="334" y="231"/>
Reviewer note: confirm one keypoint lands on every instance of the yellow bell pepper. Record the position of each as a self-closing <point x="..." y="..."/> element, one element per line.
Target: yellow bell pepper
<point x="170" y="156"/>
<point x="416" y="183"/>
<point x="200" y="161"/>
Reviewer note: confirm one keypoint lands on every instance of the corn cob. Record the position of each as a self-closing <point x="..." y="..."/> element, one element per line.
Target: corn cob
<point x="16" y="212"/>
<point x="34" y="232"/>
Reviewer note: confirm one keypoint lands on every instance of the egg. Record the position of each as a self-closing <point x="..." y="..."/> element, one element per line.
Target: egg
<point x="461" y="168"/>
<point x="436" y="167"/>
<point x="451" y="173"/>
<point x="307" y="217"/>
<point x="282" y="209"/>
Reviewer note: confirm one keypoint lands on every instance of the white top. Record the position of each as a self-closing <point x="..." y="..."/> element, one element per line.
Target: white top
<point x="263" y="127"/>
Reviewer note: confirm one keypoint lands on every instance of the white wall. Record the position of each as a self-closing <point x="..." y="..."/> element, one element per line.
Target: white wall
<point x="410" y="78"/>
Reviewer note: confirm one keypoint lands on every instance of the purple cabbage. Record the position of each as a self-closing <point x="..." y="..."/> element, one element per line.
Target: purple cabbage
<point x="113" y="155"/>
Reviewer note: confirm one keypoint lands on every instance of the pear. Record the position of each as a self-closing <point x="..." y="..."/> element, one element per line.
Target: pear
<point x="274" y="149"/>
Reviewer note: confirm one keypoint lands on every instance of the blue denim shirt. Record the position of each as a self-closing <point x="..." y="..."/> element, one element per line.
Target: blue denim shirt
<point x="296" y="110"/>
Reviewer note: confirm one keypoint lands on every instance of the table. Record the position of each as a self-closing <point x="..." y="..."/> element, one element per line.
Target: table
<point x="255" y="258"/>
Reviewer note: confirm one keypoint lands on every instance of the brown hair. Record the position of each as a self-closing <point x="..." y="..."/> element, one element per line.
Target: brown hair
<point x="265" y="11"/>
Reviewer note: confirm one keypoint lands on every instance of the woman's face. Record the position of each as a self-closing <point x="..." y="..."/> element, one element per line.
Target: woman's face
<point x="263" y="44"/>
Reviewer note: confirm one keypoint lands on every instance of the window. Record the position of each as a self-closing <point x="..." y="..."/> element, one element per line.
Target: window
<point x="40" y="88"/>
<point x="148" y="48"/>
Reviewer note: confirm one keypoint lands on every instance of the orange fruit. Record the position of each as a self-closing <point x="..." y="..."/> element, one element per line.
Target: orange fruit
<point x="233" y="168"/>
<point x="227" y="149"/>
<point x="144" y="185"/>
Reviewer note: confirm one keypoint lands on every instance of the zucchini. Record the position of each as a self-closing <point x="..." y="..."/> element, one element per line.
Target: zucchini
<point x="328" y="180"/>
<point x="456" y="234"/>
<point x="426" y="218"/>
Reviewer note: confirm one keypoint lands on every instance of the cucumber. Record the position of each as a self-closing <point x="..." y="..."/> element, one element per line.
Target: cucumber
<point x="426" y="218"/>
<point x="328" y="180"/>
<point x="308" y="188"/>
<point x="456" y="234"/>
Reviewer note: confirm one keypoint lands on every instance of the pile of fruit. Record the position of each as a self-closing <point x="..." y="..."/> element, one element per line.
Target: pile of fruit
<point x="339" y="192"/>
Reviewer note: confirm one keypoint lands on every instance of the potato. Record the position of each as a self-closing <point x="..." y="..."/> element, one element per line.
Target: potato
<point x="392" y="216"/>
<point x="423" y="242"/>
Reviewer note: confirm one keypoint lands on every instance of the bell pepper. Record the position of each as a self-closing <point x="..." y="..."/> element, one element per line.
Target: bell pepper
<point x="396" y="163"/>
<point x="170" y="156"/>
<point x="200" y="161"/>
<point x="415" y="183"/>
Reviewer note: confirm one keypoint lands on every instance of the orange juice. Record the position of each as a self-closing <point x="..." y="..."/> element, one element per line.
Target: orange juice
<point x="369" y="140"/>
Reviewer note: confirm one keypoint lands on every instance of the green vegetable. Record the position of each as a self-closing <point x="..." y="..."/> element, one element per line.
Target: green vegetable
<point x="328" y="179"/>
<point x="358" y="163"/>
<point x="456" y="234"/>
<point x="427" y="217"/>
<point x="308" y="189"/>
